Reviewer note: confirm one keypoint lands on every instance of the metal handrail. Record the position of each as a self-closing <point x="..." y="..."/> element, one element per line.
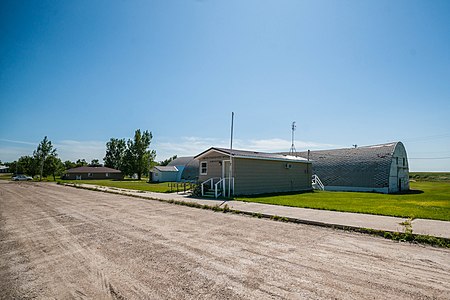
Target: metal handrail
<point x="211" y="180"/>
<point x="216" y="194"/>
<point x="202" y="184"/>
<point x="317" y="182"/>
<point x="225" y="186"/>
<point x="219" y="185"/>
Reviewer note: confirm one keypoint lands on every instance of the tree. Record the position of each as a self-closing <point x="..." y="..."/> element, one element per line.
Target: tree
<point x="81" y="163"/>
<point x="167" y="161"/>
<point x="115" y="154"/>
<point x="69" y="164"/>
<point x="12" y="167"/>
<point x="95" y="163"/>
<point x="27" y="165"/>
<point x="53" y="166"/>
<point x="44" y="149"/>
<point x="138" y="156"/>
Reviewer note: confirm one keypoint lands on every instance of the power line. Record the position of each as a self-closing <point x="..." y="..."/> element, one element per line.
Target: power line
<point x="448" y="157"/>
<point x="427" y="138"/>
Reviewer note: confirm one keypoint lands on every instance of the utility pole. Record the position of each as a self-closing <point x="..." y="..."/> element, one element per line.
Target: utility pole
<point x="231" y="156"/>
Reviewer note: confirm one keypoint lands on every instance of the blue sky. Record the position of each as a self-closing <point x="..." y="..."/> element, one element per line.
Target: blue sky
<point x="348" y="72"/>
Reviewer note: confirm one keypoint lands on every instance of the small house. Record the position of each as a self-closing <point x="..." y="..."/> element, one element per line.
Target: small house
<point x="223" y="172"/>
<point x="85" y="172"/>
<point x="164" y="173"/>
<point x="4" y="169"/>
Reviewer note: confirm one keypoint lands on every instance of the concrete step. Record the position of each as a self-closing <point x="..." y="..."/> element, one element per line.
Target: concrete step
<point x="209" y="194"/>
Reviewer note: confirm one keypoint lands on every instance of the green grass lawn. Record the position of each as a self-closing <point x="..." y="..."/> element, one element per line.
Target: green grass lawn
<point x="5" y="176"/>
<point x="428" y="200"/>
<point x="142" y="185"/>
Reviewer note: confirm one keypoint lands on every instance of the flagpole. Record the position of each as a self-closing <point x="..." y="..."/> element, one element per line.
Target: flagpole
<point x="231" y="156"/>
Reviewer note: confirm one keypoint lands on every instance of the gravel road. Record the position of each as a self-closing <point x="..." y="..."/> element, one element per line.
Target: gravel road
<point x="67" y="243"/>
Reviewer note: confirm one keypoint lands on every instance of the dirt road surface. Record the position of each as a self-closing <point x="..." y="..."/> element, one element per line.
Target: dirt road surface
<point x="66" y="243"/>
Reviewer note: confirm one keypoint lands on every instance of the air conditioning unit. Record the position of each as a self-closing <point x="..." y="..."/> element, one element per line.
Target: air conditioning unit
<point x="288" y="166"/>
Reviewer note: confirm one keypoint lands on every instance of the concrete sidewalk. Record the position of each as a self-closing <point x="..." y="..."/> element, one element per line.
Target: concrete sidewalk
<point x="304" y="215"/>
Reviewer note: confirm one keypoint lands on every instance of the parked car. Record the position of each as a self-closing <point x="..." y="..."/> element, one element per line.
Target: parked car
<point x="21" y="178"/>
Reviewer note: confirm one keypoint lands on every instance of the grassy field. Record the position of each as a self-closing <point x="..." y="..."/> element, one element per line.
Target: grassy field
<point x="429" y="199"/>
<point x="142" y="185"/>
<point x="430" y="176"/>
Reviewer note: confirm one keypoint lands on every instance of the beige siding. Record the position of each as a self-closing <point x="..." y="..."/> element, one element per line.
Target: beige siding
<point x="214" y="161"/>
<point x="256" y="176"/>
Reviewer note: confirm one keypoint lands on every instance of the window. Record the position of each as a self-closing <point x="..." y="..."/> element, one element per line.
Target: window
<point x="107" y="175"/>
<point x="396" y="159"/>
<point x="404" y="161"/>
<point x="89" y="174"/>
<point x="203" y="168"/>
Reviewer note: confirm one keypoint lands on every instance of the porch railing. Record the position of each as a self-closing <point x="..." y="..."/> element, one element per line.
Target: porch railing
<point x="220" y="187"/>
<point x="317" y="183"/>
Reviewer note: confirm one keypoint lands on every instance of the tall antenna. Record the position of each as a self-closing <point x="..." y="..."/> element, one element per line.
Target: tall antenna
<point x="292" y="151"/>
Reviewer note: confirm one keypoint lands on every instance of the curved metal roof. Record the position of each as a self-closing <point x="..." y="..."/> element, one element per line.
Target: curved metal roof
<point x="367" y="166"/>
<point x="191" y="167"/>
<point x="181" y="161"/>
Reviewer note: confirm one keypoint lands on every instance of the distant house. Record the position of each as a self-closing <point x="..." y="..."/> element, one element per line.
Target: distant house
<point x="4" y="169"/>
<point x="180" y="169"/>
<point x="378" y="168"/>
<point x="164" y="173"/>
<point x="82" y="173"/>
<point x="252" y="172"/>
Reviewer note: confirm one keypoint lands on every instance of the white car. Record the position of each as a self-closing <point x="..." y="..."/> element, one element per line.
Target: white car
<point x="21" y="178"/>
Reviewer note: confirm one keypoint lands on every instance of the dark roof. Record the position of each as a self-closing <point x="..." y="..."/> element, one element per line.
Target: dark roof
<point x="86" y="169"/>
<point x="255" y="155"/>
<point x="181" y="161"/>
<point x="367" y="166"/>
<point x="166" y="168"/>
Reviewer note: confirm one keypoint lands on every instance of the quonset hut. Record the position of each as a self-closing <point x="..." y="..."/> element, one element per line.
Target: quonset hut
<point x="378" y="168"/>
<point x="188" y="167"/>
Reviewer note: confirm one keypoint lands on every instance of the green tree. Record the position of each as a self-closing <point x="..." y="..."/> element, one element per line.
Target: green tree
<point x="53" y="166"/>
<point x="12" y="167"/>
<point x="69" y="164"/>
<point x="95" y="163"/>
<point x="138" y="156"/>
<point x="115" y="154"/>
<point x="44" y="149"/>
<point x="27" y="165"/>
<point x="81" y="163"/>
<point x="167" y="161"/>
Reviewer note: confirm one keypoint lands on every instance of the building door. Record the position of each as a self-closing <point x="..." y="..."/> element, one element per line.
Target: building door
<point x="225" y="168"/>
<point x="226" y="174"/>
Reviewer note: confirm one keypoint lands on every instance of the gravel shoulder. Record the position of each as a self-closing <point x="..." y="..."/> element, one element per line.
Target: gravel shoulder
<point x="60" y="242"/>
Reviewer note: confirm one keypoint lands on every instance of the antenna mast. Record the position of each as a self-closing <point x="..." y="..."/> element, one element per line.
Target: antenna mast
<point x="293" y="151"/>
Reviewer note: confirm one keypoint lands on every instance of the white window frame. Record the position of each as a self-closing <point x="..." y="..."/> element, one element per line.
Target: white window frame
<point x="206" y="168"/>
